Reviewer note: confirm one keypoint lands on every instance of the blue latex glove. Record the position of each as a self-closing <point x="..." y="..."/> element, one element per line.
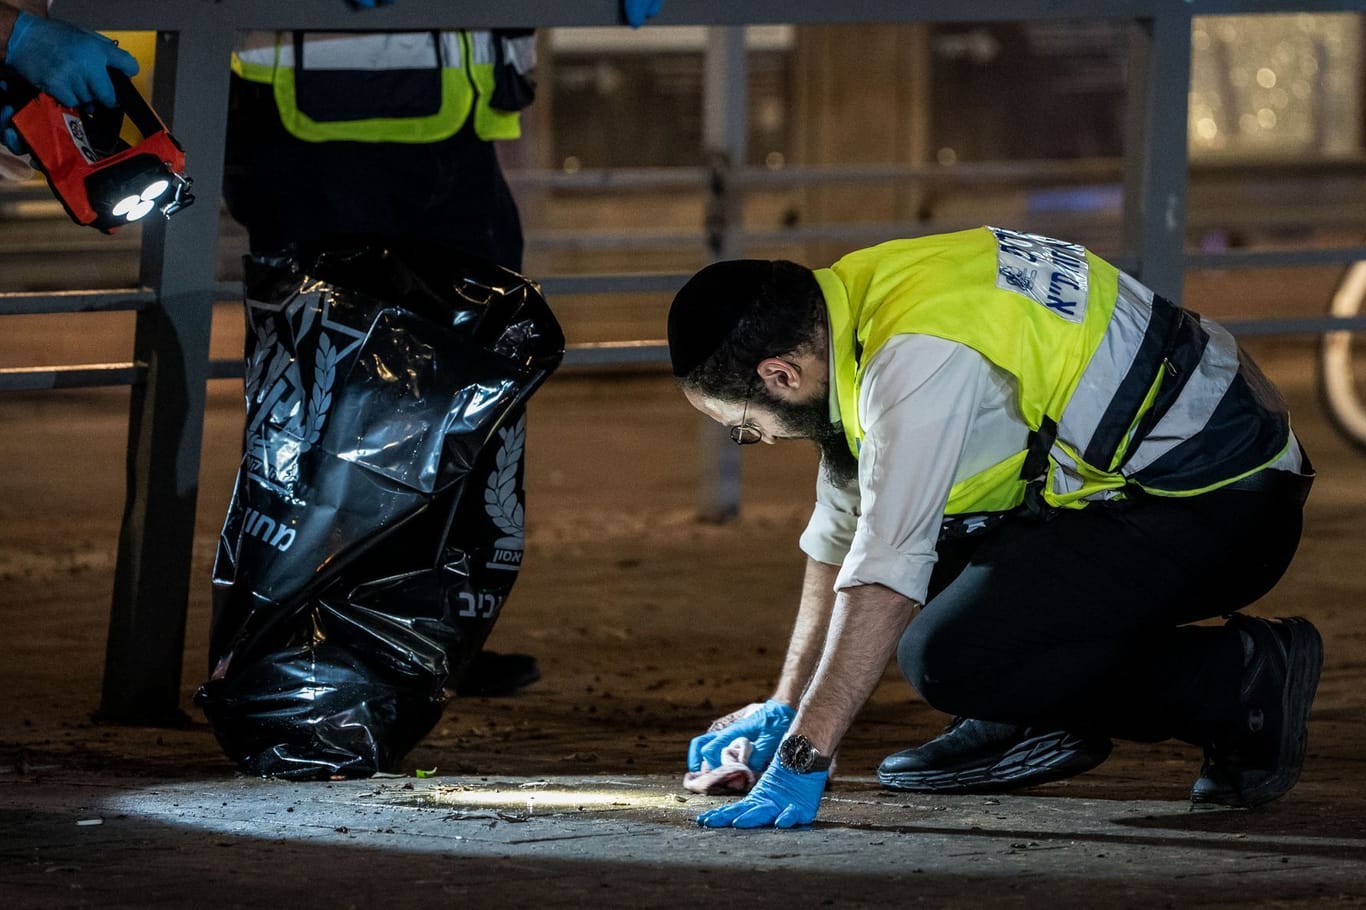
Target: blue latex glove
<point x="370" y="4"/>
<point x="637" y="11"/>
<point x="765" y="727"/>
<point x="9" y="136"/>
<point x="781" y="799"/>
<point x="67" y="62"/>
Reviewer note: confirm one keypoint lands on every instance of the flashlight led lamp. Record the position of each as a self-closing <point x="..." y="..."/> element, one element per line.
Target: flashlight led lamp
<point x="127" y="191"/>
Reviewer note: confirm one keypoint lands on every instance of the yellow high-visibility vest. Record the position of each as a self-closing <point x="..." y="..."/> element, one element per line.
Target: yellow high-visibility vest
<point x="454" y="73"/>
<point x="1120" y="387"/>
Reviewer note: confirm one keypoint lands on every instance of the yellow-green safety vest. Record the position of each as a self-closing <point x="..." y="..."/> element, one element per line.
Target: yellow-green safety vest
<point x="464" y="68"/>
<point x="1120" y="387"/>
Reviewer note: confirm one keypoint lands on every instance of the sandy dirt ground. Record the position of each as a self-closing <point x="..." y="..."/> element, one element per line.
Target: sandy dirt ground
<point x="647" y="625"/>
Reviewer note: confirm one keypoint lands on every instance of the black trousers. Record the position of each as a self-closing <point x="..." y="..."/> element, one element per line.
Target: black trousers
<point x="1083" y="621"/>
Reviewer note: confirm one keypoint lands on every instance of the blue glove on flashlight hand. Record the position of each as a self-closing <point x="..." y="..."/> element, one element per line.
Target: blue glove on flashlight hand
<point x="67" y="62"/>
<point x="637" y="11"/>
<point x="781" y="799"/>
<point x="765" y="727"/>
<point x="9" y="136"/>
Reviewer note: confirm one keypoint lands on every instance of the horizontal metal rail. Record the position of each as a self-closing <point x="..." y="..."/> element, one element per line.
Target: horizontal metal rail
<point x="868" y="232"/>
<point x="1308" y="325"/>
<point x="615" y="180"/>
<point x="77" y="376"/>
<point x="1265" y="258"/>
<point x="635" y="283"/>
<point x="645" y="353"/>
<point x="323" y="14"/>
<point x="76" y="302"/>
<point x="133" y="299"/>
<point x="1064" y="171"/>
<point x="617" y="353"/>
<point x="588" y="240"/>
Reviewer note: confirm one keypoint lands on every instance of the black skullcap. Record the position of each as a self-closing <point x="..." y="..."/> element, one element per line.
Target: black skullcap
<point x="709" y="307"/>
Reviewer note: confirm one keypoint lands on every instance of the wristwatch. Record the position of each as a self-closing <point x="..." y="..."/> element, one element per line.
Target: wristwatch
<point x="797" y="754"/>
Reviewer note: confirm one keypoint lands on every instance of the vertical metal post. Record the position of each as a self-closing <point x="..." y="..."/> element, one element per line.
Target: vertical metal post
<point x="151" y="582"/>
<point x="1156" y="157"/>
<point x="725" y="96"/>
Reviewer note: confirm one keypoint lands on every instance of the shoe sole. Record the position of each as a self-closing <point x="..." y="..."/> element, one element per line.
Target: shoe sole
<point x="1304" y="664"/>
<point x="1038" y="760"/>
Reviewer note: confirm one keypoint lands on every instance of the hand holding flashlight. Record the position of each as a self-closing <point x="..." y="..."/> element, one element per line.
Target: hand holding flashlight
<point x="65" y="61"/>
<point x="9" y="136"/>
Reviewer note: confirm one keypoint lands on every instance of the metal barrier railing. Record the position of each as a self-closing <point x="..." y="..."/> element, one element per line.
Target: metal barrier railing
<point x="1017" y="175"/>
<point x="171" y="366"/>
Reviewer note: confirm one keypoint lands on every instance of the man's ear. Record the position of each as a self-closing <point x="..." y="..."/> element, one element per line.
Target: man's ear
<point x="781" y="377"/>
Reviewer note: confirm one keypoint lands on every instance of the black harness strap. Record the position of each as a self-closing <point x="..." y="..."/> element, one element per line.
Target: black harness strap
<point x="1035" y="469"/>
<point x="1040" y="444"/>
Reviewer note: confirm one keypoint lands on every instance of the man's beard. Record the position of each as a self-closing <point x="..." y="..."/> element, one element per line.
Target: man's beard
<point x="811" y="420"/>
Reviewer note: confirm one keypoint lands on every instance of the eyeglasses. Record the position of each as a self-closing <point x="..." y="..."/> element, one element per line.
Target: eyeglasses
<point x="745" y="433"/>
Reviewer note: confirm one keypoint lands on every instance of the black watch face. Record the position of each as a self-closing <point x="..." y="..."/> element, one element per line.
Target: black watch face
<point x="798" y="753"/>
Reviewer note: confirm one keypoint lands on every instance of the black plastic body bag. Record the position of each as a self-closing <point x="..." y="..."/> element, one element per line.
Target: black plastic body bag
<point x="376" y="524"/>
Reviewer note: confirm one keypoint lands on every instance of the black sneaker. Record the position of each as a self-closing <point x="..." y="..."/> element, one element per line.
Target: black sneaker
<point x="491" y="674"/>
<point x="1262" y="761"/>
<point x="975" y="756"/>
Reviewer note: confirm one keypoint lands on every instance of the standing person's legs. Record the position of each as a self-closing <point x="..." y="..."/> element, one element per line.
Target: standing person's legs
<point x="441" y="196"/>
<point x="468" y="205"/>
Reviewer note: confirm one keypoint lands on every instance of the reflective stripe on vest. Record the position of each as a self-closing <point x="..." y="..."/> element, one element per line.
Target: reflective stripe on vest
<point x="466" y="80"/>
<point x="1143" y="392"/>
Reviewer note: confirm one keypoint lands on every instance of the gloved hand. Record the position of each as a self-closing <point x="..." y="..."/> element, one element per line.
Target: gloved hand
<point x="781" y="798"/>
<point x="370" y="4"/>
<point x="67" y="62"/>
<point x="763" y="724"/>
<point x="637" y="11"/>
<point x="9" y="136"/>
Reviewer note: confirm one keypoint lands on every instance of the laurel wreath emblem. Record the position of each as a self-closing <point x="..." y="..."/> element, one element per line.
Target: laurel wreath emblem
<point x="320" y="401"/>
<point x="500" y="495"/>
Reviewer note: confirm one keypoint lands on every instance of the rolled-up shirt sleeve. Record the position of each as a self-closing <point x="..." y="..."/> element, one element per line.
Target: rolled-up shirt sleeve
<point x="917" y="404"/>
<point x="830" y="532"/>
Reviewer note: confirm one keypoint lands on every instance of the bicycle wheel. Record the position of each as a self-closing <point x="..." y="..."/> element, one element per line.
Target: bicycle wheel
<point x="1339" y="386"/>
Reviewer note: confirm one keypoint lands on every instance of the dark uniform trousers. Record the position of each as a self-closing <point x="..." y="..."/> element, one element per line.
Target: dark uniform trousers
<point x="1084" y="620"/>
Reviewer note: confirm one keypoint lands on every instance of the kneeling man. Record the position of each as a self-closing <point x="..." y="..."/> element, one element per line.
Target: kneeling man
<point x="1054" y="472"/>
